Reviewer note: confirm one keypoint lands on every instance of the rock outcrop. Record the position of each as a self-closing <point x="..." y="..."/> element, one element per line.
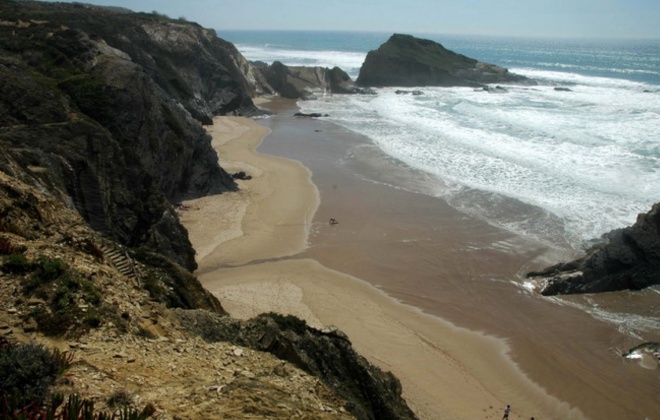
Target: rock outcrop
<point x="369" y="392"/>
<point x="62" y="283"/>
<point x="300" y="82"/>
<point x="206" y="74"/>
<point x="629" y="260"/>
<point x="408" y="61"/>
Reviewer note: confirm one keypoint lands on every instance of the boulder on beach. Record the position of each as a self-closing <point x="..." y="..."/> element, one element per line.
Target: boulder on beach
<point x="629" y="260"/>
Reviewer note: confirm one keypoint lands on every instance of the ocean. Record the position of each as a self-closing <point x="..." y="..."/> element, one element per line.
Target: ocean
<point x="580" y="162"/>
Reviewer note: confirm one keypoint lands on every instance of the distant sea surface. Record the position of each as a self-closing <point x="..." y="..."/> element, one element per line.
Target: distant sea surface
<point x="581" y="161"/>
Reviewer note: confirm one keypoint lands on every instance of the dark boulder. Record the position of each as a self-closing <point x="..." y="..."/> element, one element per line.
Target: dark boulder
<point x="411" y="92"/>
<point x="310" y="115"/>
<point x="496" y="89"/>
<point x="408" y="61"/>
<point x="629" y="260"/>
<point x="241" y="175"/>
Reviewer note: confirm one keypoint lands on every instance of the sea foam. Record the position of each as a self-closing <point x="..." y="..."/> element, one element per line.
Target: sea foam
<point x="584" y="161"/>
<point x="587" y="156"/>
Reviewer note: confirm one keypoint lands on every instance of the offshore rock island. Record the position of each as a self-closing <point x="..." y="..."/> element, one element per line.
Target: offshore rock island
<point x="408" y="61"/>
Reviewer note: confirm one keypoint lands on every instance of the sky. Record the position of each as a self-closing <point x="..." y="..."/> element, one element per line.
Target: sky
<point x="542" y="18"/>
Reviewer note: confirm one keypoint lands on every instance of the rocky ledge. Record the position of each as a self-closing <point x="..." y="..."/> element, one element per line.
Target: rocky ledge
<point x="408" y="61"/>
<point x="629" y="260"/>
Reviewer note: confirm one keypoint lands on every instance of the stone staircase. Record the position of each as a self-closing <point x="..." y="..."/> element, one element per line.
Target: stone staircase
<point x="121" y="261"/>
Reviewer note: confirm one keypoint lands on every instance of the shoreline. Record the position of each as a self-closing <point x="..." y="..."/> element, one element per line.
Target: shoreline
<point x="444" y="370"/>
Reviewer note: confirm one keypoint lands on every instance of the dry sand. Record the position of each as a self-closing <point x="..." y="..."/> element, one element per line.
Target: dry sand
<point x="247" y="244"/>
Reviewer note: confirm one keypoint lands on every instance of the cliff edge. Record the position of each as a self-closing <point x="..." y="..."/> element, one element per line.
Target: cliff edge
<point x="404" y="60"/>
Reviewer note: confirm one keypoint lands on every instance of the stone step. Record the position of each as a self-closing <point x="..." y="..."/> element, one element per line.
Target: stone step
<point x="121" y="261"/>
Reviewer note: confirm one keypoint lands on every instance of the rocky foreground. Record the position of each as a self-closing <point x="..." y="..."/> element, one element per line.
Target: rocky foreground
<point x="101" y="135"/>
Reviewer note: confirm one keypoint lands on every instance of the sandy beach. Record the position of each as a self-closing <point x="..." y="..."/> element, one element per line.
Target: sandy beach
<point x="250" y="252"/>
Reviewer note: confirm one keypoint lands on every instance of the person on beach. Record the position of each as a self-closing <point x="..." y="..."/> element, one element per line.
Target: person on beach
<point x="507" y="410"/>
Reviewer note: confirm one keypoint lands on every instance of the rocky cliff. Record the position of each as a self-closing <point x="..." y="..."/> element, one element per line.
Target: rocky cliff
<point x="107" y="107"/>
<point x="101" y="114"/>
<point x="328" y="354"/>
<point x="64" y="284"/>
<point x="408" y="61"/>
<point x="629" y="260"/>
<point x="298" y="82"/>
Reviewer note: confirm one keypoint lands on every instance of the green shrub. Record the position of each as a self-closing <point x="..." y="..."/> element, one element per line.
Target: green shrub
<point x="26" y="372"/>
<point x="16" y="264"/>
<point x="55" y="324"/>
<point x="119" y="399"/>
<point x="45" y="270"/>
<point x="66" y="292"/>
<point x="50" y="268"/>
<point x="75" y="408"/>
<point x="288" y="322"/>
<point x="92" y="320"/>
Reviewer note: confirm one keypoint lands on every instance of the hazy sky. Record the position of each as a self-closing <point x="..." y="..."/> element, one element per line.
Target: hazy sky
<point x="562" y="18"/>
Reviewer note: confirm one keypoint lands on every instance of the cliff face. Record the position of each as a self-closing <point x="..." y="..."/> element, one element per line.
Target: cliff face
<point x="205" y="73"/>
<point x="408" y="61"/>
<point x="100" y="132"/>
<point x="629" y="260"/>
<point x="107" y="106"/>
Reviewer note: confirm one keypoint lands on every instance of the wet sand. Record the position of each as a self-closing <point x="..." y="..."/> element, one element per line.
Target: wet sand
<point x="398" y="273"/>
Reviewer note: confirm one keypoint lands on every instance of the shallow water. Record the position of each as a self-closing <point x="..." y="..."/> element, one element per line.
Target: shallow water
<point x="425" y="253"/>
<point x="587" y="159"/>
